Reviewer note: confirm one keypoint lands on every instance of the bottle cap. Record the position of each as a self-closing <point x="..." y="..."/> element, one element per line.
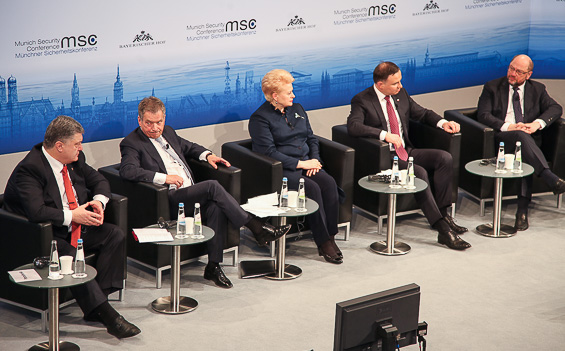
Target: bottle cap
<point x="301" y="180"/>
<point x="197" y="205"/>
<point x="79" y="241"/>
<point x="181" y="204"/>
<point x="502" y="143"/>
<point x="395" y="158"/>
<point x="518" y="143"/>
<point x="284" y="178"/>
<point x="410" y="158"/>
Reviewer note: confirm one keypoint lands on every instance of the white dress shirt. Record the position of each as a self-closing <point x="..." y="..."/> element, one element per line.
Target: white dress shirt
<point x="510" y="118"/>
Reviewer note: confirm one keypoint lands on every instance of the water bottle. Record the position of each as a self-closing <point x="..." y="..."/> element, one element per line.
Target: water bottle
<point x="500" y="159"/>
<point x="301" y="197"/>
<point x="518" y="158"/>
<point x="54" y="266"/>
<point x="410" y="177"/>
<point x="80" y="264"/>
<point x="181" y="223"/>
<point x="283" y="203"/>
<point x="197" y="231"/>
<point x="395" y="175"/>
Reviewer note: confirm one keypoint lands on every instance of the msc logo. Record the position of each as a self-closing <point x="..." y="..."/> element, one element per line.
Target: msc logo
<point x="240" y="25"/>
<point x="382" y="10"/>
<point x="81" y="40"/>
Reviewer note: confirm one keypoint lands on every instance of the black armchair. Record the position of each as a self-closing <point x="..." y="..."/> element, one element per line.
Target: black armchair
<point x="23" y="240"/>
<point x="373" y="156"/>
<point x="149" y="201"/>
<point x="263" y="175"/>
<point x="479" y="143"/>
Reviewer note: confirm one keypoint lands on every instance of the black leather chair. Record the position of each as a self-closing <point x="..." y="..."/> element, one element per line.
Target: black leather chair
<point x="23" y="240"/>
<point x="263" y="175"/>
<point x="149" y="201"/>
<point x="478" y="142"/>
<point x="373" y="156"/>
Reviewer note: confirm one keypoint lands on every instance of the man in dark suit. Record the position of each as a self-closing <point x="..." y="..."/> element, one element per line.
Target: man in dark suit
<point x="374" y="114"/>
<point x="517" y="108"/>
<point x="154" y="153"/>
<point x="37" y="189"/>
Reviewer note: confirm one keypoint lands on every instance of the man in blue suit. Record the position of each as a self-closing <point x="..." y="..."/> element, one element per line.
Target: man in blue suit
<point x="518" y="108"/>
<point x="383" y="111"/>
<point x="154" y="153"/>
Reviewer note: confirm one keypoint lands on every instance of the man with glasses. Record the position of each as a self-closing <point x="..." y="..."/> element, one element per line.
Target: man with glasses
<point x="518" y="108"/>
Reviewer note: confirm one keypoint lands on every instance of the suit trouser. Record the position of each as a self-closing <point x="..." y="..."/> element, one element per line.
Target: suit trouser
<point x="108" y="242"/>
<point x="321" y="187"/>
<point x="218" y="207"/>
<point x="531" y="154"/>
<point x="435" y="167"/>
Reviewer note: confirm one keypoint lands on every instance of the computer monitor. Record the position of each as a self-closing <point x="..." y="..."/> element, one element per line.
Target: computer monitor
<point x="373" y="322"/>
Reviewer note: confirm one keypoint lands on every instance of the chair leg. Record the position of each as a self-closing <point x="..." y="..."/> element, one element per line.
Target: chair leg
<point x="559" y="200"/>
<point x="44" y="321"/>
<point x="380" y="225"/>
<point x="158" y="277"/>
<point x="347" y="226"/>
<point x="121" y="293"/>
<point x="453" y="210"/>
<point x="482" y="205"/>
<point x="235" y="257"/>
<point x="272" y="248"/>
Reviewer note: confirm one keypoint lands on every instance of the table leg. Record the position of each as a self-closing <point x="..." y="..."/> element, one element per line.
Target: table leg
<point x="497" y="230"/>
<point x="390" y="247"/>
<point x="283" y="271"/>
<point x="54" y="344"/>
<point x="175" y="304"/>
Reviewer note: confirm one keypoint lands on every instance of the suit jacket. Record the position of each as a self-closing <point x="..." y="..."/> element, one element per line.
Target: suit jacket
<point x="367" y="118"/>
<point x="32" y="190"/>
<point x="493" y="103"/>
<point x="272" y="136"/>
<point x="140" y="159"/>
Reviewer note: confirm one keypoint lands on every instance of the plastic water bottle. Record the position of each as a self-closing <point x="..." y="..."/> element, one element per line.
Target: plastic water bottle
<point x="181" y="223"/>
<point x="500" y="159"/>
<point x="197" y="231"/>
<point x="395" y="176"/>
<point x="301" y="197"/>
<point x="54" y="266"/>
<point x="80" y="264"/>
<point x="283" y="202"/>
<point x="518" y="158"/>
<point x="410" y="177"/>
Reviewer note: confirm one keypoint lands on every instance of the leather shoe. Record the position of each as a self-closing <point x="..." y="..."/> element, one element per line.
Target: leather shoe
<point x="452" y="240"/>
<point x="456" y="228"/>
<point x="216" y="274"/>
<point x="521" y="221"/>
<point x="271" y="233"/>
<point x="559" y="187"/>
<point x="121" y="328"/>
<point x="329" y="254"/>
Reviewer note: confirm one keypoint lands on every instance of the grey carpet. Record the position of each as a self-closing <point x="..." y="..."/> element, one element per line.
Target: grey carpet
<point x="502" y="294"/>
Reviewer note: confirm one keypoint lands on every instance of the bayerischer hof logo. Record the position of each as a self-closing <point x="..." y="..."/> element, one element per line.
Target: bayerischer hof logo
<point x="295" y="23"/>
<point x="144" y="38"/>
<point x="430" y="8"/>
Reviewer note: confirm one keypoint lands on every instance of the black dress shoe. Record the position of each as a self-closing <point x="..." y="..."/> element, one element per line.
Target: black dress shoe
<point x="559" y="187"/>
<point x="271" y="233"/>
<point x="329" y="254"/>
<point x="521" y="221"/>
<point x="452" y="240"/>
<point x="121" y="328"/>
<point x="216" y="274"/>
<point x="456" y="228"/>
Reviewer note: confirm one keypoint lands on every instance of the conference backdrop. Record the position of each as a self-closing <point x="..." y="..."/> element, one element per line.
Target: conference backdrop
<point x="95" y="60"/>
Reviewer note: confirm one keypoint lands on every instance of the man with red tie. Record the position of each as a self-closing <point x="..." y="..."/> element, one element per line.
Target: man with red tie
<point x="383" y="111"/>
<point x="52" y="184"/>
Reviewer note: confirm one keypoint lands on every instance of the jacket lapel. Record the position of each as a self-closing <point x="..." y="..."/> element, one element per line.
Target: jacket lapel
<point x="51" y="183"/>
<point x="374" y="98"/>
<point x="151" y="150"/>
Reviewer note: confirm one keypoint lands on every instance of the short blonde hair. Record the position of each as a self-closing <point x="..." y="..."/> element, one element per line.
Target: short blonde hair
<point x="272" y="81"/>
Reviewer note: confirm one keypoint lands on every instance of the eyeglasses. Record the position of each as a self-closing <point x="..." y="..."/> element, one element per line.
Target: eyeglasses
<point x="517" y="71"/>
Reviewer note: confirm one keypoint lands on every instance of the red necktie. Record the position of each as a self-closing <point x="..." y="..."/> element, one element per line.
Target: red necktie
<point x="400" y="151"/>
<point x="72" y="205"/>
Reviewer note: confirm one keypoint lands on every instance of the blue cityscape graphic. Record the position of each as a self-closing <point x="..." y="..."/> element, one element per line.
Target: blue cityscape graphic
<point x="231" y="90"/>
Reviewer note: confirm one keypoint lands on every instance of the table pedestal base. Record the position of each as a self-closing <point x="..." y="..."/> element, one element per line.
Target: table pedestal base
<point x="63" y="346"/>
<point x="506" y="231"/>
<point x="399" y="248"/>
<point x="290" y="272"/>
<point x="164" y="305"/>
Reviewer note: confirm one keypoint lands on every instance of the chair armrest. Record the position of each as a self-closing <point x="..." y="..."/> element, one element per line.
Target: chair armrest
<point x="553" y="146"/>
<point x="116" y="211"/>
<point x="260" y="174"/>
<point x="23" y="240"/>
<point x="477" y="138"/>
<point x="228" y="177"/>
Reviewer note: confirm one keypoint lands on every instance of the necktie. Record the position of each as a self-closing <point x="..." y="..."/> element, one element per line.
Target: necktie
<point x="517" y="106"/>
<point x="176" y="157"/>
<point x="400" y="151"/>
<point x="72" y="205"/>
